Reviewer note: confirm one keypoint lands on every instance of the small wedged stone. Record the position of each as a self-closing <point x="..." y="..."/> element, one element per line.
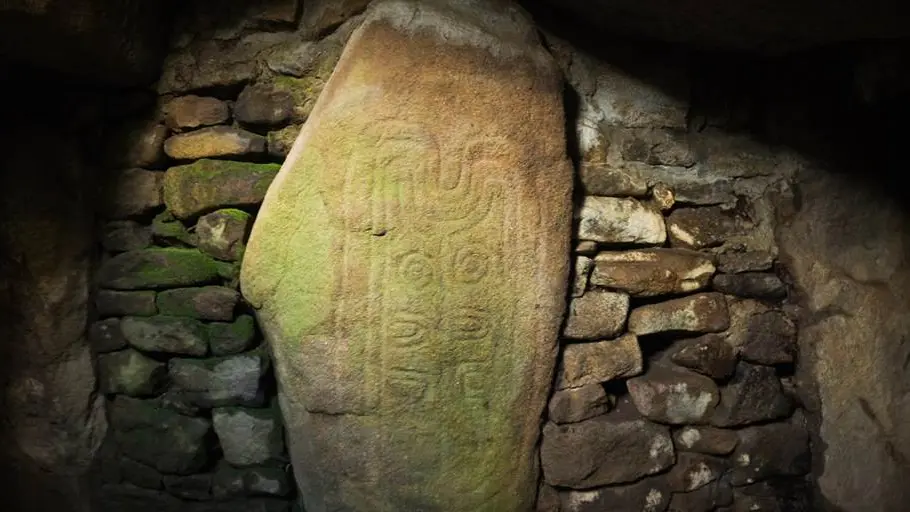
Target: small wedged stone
<point x="222" y="234"/>
<point x="754" y="394"/>
<point x="249" y="437"/>
<point x="749" y="261"/>
<point x="231" y="338"/>
<point x="742" y="315"/>
<point x="207" y="185"/>
<point x="191" y="111"/>
<point x="620" y="221"/>
<point x="167" y="230"/>
<point x="755" y="285"/>
<point x="776" y="449"/>
<point x="280" y="141"/>
<point x="264" y="104"/>
<point x="214" y="141"/>
<point x="132" y="192"/>
<point x="161" y="438"/>
<point x="695" y="470"/>
<point x="157" y="268"/>
<point x="231" y="482"/>
<point x="190" y="487"/>
<point x="599" y="361"/>
<point x="106" y="336"/>
<point x="582" y="271"/>
<point x="705" y="439"/>
<point x="770" y="339"/>
<point x="667" y="394"/>
<point x="652" y="272"/>
<point x="709" y="355"/>
<point x="577" y="404"/>
<point x="700" y="228"/>
<point x="130" y="373"/>
<point x="603" y="450"/>
<point x="597" y="314"/>
<point x="204" y="303"/>
<point x="168" y="334"/>
<point x="700" y="313"/>
<point x="649" y="495"/>
<point x="220" y="381"/>
<point x="122" y="236"/>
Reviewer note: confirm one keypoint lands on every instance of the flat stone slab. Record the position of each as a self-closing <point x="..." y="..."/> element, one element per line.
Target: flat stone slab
<point x="385" y="258"/>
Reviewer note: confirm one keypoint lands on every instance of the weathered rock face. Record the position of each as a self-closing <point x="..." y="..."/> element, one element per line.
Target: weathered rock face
<point x="847" y="251"/>
<point x="387" y="250"/>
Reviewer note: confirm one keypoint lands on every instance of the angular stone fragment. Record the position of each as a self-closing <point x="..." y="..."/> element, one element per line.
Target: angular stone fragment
<point x="547" y="499"/>
<point x="708" y="354"/>
<point x="604" y="180"/>
<point x="130" y="373"/>
<point x="280" y="141"/>
<point x="157" y="268"/>
<point x="703" y="439"/>
<point x="771" y="339"/>
<point x="600" y="361"/>
<point x="215" y="141"/>
<point x="320" y="16"/>
<point x="597" y="314"/>
<point x="750" y="261"/>
<point x="223" y="233"/>
<point x="231" y="482"/>
<point x="387" y="253"/>
<point x="189" y="112"/>
<point x="264" y="104"/>
<point x="694" y="470"/>
<point x="167" y="230"/>
<point x="603" y="450"/>
<point x="701" y="313"/>
<point x="753" y="394"/>
<point x="758" y="285"/>
<point x="220" y="381"/>
<point x="205" y="303"/>
<point x="161" y="438"/>
<point x="742" y="319"/>
<point x="132" y="192"/>
<point x="249" y="437"/>
<point x="162" y="333"/>
<point x="119" y="303"/>
<point x="655" y="146"/>
<point x="710" y="497"/>
<point x="206" y="185"/>
<point x="648" y="495"/>
<point x="121" y="236"/>
<point x="651" y="272"/>
<point x="620" y="221"/>
<point x="583" y="267"/>
<point x="191" y="487"/>
<point x="106" y="336"/>
<point x="699" y="228"/>
<point x="673" y="395"/>
<point x="138" y="145"/>
<point x="231" y="338"/>
<point x="577" y="404"/>
<point x="777" y="449"/>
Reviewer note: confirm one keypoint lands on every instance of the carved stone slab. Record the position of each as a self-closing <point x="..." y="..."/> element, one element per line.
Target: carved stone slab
<point x="410" y="262"/>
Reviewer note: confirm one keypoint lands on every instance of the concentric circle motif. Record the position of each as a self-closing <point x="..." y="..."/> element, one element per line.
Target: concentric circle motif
<point x="416" y="269"/>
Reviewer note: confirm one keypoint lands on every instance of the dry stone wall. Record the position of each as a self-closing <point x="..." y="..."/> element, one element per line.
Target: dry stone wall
<point x="675" y="390"/>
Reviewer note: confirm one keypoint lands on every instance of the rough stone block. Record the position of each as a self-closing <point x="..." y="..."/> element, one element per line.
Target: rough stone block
<point x="204" y="303"/>
<point x="597" y="314"/>
<point x="132" y="192"/>
<point x="121" y="236"/>
<point x="754" y="394"/>
<point x="777" y="449"/>
<point x="652" y="272"/>
<point x="221" y="381"/>
<point x="214" y="141"/>
<point x="704" y="439"/>
<point x="701" y="313"/>
<point x="583" y="267"/>
<point x="756" y="285"/>
<point x="120" y="303"/>
<point x="231" y="338"/>
<point x="130" y="373"/>
<point x="207" y="185"/>
<point x="169" y="334"/>
<point x="709" y="355"/>
<point x="577" y="404"/>
<point x="231" y="482"/>
<point x="157" y="268"/>
<point x="106" y="335"/>
<point x="649" y="495"/>
<point x="695" y="470"/>
<point x="222" y="234"/>
<point x="597" y="362"/>
<point x="673" y="395"/>
<point x="620" y="221"/>
<point x="189" y="112"/>
<point x="249" y="437"/>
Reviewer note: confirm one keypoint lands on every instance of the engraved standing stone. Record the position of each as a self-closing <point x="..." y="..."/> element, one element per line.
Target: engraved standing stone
<point x="410" y="263"/>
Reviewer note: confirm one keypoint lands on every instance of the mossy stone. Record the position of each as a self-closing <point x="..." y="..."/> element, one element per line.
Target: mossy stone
<point x="120" y="303"/>
<point x="232" y="338"/>
<point x="222" y="234"/>
<point x="168" y="334"/>
<point x="207" y="185"/>
<point x="166" y="229"/>
<point x="157" y="268"/>
<point x="130" y="373"/>
<point x="221" y="381"/>
<point x="204" y="303"/>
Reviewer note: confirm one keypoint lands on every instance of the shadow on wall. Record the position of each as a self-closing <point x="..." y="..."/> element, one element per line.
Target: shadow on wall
<point x="842" y="226"/>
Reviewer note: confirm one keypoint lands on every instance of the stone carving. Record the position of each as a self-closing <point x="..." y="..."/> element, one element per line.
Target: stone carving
<point x="410" y="275"/>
